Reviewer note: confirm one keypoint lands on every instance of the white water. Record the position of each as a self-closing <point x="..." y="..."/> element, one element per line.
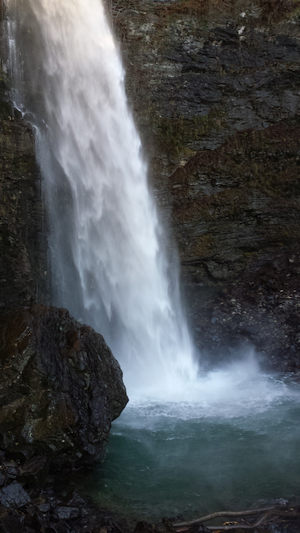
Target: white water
<point x="107" y="254"/>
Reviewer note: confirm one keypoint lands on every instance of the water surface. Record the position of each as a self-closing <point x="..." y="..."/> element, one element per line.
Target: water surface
<point x="190" y="458"/>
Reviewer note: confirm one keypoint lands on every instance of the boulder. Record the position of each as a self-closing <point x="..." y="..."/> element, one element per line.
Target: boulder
<point x="13" y="495"/>
<point x="60" y="388"/>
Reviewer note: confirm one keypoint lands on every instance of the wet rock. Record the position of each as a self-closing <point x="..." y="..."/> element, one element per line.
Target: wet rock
<point x="23" y="242"/>
<point x="65" y="513"/>
<point x="10" y="520"/>
<point x="197" y="72"/>
<point x="51" y="407"/>
<point x="145" y="527"/>
<point x="14" y="495"/>
<point x="44" y="507"/>
<point x="200" y="75"/>
<point x="34" y="470"/>
<point x="10" y="470"/>
<point x="236" y="220"/>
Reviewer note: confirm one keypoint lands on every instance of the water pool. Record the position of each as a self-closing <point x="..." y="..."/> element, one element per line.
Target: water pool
<point x="190" y="458"/>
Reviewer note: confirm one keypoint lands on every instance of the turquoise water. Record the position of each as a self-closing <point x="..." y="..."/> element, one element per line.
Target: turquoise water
<point x="185" y="458"/>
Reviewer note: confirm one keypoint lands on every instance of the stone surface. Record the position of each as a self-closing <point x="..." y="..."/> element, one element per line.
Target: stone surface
<point x="58" y="513"/>
<point x="14" y="495"/>
<point x="23" y="265"/>
<point x="197" y="71"/>
<point x="23" y="239"/>
<point x="199" y="74"/>
<point x="236" y="218"/>
<point x="60" y="389"/>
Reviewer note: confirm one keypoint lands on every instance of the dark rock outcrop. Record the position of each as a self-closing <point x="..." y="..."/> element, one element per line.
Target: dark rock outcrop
<point x="199" y="74"/>
<point x="197" y="71"/>
<point x="60" y="388"/>
<point x="23" y="239"/>
<point x="23" y="265"/>
<point x="54" y="511"/>
<point x="236" y="217"/>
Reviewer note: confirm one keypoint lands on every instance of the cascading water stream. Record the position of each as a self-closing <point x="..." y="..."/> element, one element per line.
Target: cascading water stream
<point x="106" y="242"/>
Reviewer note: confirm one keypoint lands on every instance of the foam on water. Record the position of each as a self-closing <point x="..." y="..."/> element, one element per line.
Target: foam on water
<point x="238" y="389"/>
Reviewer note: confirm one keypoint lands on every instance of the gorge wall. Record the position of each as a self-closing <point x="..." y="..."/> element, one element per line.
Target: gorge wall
<point x="23" y="240"/>
<point x="215" y="90"/>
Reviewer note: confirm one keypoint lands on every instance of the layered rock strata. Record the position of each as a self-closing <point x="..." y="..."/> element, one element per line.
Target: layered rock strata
<point x="23" y="236"/>
<point x="199" y="74"/>
<point x="236" y="218"/>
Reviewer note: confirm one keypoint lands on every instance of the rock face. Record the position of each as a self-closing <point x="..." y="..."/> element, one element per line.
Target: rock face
<point x="23" y="272"/>
<point x="215" y="89"/>
<point x="60" y="388"/>
<point x="23" y="239"/>
<point x="197" y="71"/>
<point x="236" y="217"/>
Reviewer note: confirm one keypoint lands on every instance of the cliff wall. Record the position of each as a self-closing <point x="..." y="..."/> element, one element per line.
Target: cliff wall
<point x="23" y="239"/>
<point x="214" y="87"/>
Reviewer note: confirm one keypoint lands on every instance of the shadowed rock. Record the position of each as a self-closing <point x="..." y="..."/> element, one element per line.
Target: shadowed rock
<point x="236" y="219"/>
<point x="60" y="387"/>
<point x="13" y="495"/>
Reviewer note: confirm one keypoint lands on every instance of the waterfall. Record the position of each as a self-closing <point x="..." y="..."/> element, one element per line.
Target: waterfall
<point x="106" y="243"/>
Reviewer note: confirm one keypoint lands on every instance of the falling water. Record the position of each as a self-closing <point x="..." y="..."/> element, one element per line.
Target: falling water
<point x="107" y="246"/>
